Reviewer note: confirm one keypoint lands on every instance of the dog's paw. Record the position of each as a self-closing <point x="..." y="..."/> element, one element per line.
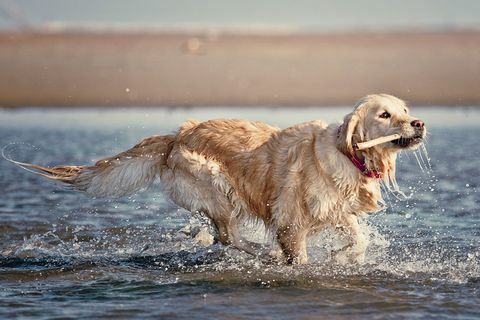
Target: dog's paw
<point x="203" y="237"/>
<point x="349" y="256"/>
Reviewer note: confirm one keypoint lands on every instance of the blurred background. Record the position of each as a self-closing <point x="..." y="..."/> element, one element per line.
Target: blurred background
<point x="217" y="52"/>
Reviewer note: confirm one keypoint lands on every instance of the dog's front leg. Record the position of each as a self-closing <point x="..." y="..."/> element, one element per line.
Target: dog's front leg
<point x="354" y="251"/>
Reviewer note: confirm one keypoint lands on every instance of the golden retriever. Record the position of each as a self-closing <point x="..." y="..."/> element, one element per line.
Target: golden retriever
<point x="297" y="181"/>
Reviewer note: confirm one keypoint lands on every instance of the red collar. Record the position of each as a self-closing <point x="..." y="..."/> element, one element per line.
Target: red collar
<point x="360" y="164"/>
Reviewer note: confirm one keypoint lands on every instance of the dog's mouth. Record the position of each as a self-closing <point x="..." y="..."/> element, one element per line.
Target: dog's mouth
<point x="405" y="142"/>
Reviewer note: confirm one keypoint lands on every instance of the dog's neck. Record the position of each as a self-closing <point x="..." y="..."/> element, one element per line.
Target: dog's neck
<point x="383" y="161"/>
<point x="359" y="160"/>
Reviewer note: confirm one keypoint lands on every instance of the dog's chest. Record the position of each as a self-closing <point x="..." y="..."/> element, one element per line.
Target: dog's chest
<point x="331" y="202"/>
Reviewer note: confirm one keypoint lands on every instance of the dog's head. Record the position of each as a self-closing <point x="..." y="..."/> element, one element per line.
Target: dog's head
<point x="376" y="116"/>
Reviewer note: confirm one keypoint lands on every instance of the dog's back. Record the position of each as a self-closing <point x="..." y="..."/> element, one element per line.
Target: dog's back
<point x="224" y="140"/>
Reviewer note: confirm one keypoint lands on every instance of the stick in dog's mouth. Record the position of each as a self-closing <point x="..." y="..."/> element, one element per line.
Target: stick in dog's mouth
<point x="374" y="142"/>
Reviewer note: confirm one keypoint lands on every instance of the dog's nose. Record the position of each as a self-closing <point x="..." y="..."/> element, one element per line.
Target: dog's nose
<point x="417" y="123"/>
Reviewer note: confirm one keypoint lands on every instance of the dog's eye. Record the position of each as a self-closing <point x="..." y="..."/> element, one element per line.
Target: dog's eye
<point x="385" y="115"/>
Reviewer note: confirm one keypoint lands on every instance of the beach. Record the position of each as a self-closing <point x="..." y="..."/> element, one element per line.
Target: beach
<point x="232" y="69"/>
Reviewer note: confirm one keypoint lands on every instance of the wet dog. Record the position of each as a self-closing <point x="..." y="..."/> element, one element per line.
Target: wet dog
<point x="297" y="181"/>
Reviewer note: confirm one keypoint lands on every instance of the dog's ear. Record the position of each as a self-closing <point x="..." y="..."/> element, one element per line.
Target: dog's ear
<point x="350" y="133"/>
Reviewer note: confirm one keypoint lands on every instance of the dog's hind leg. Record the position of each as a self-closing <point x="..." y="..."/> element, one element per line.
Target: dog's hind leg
<point x="293" y="243"/>
<point x="229" y="235"/>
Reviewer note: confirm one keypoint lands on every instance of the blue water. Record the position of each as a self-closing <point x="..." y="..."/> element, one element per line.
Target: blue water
<point x="316" y="15"/>
<point x="65" y="255"/>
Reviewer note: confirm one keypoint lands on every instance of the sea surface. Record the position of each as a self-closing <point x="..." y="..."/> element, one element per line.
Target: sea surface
<point x="65" y="255"/>
<point x="282" y="15"/>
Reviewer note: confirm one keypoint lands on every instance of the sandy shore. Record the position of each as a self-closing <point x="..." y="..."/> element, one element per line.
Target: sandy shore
<point x="78" y="69"/>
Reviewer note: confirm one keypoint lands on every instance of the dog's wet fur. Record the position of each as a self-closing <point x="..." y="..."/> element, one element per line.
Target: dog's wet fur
<point x="296" y="181"/>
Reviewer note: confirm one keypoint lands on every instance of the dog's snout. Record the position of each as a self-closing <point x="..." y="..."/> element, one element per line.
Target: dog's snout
<point x="417" y="124"/>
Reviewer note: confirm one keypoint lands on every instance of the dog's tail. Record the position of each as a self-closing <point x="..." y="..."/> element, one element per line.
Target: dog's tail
<point x="123" y="174"/>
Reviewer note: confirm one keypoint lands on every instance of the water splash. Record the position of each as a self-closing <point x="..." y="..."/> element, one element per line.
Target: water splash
<point x="419" y="161"/>
<point x="427" y="157"/>
<point x="176" y="251"/>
